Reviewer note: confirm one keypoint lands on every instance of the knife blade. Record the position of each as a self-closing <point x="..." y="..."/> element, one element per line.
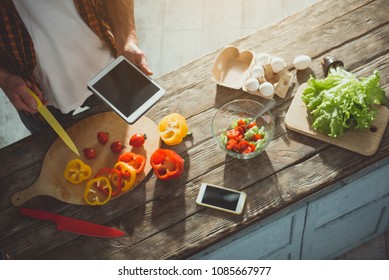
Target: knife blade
<point x="72" y="225"/>
<point x="54" y="123"/>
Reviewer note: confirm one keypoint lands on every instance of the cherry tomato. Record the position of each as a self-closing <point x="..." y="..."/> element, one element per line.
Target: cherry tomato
<point x="231" y="143"/>
<point x="242" y="145"/>
<point x="251" y="125"/>
<point x="250" y="148"/>
<point x="137" y="140"/>
<point x="102" y="137"/>
<point x="117" y="147"/>
<point x="89" y="153"/>
<point x="256" y="137"/>
<point x="233" y="133"/>
<point x="241" y="122"/>
<point x="241" y="129"/>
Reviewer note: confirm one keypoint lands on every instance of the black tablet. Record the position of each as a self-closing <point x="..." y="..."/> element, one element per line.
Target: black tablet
<point x="126" y="89"/>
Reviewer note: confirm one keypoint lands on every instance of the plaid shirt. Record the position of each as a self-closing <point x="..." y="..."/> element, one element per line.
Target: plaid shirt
<point x="17" y="54"/>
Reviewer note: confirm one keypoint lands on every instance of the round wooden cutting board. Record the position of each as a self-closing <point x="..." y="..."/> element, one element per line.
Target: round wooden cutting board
<point x="51" y="181"/>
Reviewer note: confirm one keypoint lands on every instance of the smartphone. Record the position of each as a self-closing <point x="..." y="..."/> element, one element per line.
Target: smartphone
<point x="221" y="198"/>
<point x="126" y="89"/>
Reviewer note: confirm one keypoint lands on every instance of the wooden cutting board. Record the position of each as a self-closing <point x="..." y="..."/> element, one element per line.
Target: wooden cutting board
<point x="51" y="181"/>
<point x="364" y="142"/>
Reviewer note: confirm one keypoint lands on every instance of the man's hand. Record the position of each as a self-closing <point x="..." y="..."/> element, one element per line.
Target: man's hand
<point x="134" y="54"/>
<point x="120" y="14"/>
<point x="15" y="88"/>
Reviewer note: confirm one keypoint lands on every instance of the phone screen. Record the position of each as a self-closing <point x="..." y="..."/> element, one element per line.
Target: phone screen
<point x="125" y="88"/>
<point x="221" y="198"/>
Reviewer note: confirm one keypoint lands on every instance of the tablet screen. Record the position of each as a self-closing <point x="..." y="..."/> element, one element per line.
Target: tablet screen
<point x="125" y="88"/>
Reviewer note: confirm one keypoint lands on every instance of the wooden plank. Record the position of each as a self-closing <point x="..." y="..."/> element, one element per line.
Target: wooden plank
<point x="197" y="226"/>
<point x="154" y="230"/>
<point x="182" y="236"/>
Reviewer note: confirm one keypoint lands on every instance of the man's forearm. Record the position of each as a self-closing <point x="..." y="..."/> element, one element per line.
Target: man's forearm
<point x="120" y="14"/>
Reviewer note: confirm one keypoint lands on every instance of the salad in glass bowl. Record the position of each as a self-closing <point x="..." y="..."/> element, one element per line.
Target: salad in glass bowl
<point x="237" y="133"/>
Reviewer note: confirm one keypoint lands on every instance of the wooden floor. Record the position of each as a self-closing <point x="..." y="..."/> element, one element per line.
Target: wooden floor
<point x="175" y="32"/>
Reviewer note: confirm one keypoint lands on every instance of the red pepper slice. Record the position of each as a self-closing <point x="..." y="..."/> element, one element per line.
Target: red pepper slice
<point x="137" y="161"/>
<point x="114" y="176"/>
<point x="167" y="164"/>
<point x="128" y="175"/>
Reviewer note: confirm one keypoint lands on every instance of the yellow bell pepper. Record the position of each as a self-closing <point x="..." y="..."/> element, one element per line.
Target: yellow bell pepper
<point x="128" y="175"/>
<point x="77" y="171"/>
<point x="96" y="187"/>
<point x="172" y="129"/>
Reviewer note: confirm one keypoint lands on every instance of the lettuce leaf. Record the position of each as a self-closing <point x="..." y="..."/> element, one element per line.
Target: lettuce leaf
<point x="254" y="130"/>
<point x="341" y="101"/>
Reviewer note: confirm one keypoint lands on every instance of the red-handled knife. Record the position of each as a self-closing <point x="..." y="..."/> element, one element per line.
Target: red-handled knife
<point x="72" y="225"/>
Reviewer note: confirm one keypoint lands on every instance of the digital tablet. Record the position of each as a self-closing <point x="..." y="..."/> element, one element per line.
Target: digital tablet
<point x="126" y="89"/>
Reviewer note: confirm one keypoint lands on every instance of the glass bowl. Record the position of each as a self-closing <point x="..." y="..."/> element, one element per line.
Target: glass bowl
<point x="236" y="110"/>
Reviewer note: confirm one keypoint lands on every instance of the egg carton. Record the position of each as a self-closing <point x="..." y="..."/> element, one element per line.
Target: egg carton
<point x="259" y="74"/>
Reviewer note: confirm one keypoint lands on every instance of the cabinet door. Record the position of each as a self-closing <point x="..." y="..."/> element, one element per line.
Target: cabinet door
<point x="280" y="238"/>
<point x="347" y="217"/>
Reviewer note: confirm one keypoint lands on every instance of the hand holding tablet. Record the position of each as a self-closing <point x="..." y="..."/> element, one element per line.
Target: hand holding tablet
<point x="126" y="89"/>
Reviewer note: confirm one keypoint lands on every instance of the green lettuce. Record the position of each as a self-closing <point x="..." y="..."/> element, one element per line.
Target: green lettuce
<point x="254" y="130"/>
<point x="341" y="101"/>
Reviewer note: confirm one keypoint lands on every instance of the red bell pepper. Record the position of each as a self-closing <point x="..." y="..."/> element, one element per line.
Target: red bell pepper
<point x="128" y="175"/>
<point x="167" y="164"/>
<point x="137" y="161"/>
<point x="114" y="176"/>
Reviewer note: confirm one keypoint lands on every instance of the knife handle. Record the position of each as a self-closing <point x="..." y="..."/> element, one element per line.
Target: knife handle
<point x="39" y="214"/>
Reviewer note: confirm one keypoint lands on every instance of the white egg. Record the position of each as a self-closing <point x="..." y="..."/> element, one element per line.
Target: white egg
<point x="277" y="64"/>
<point x="302" y="62"/>
<point x="266" y="89"/>
<point x="252" y="84"/>
<point x="262" y="58"/>
<point x="257" y="71"/>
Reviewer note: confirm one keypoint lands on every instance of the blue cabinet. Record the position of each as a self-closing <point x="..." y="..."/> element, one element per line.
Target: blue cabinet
<point x="347" y="217"/>
<point x="276" y="238"/>
<point x="320" y="227"/>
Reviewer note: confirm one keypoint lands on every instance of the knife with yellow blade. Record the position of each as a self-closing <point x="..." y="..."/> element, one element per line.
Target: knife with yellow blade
<point x="53" y="122"/>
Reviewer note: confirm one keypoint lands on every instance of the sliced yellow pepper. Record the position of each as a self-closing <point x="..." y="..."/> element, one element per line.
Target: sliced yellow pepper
<point x="96" y="187"/>
<point x="77" y="171"/>
<point x="172" y="129"/>
<point x="128" y="175"/>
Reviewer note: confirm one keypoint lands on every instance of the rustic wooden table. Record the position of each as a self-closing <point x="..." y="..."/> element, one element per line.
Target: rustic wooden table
<point x="161" y="219"/>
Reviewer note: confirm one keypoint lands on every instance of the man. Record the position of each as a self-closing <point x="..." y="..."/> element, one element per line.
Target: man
<point x="55" y="47"/>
